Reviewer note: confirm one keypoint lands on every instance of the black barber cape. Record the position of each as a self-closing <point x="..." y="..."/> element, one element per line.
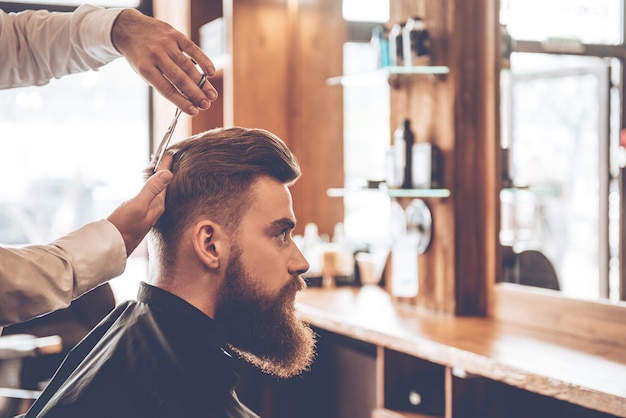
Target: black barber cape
<point x="154" y="357"/>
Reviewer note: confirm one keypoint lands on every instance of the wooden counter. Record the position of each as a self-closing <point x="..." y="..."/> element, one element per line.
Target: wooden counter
<point x="591" y="375"/>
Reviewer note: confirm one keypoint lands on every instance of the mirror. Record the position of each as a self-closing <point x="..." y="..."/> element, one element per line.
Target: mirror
<point x="561" y="117"/>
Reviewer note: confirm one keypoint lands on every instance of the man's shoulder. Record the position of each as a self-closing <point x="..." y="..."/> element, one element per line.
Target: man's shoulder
<point x="129" y="366"/>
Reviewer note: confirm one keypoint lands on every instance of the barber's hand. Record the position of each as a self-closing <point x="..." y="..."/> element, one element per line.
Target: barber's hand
<point x="135" y="217"/>
<point x="164" y="57"/>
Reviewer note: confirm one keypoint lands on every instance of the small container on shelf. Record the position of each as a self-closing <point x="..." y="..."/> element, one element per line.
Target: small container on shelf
<point x="380" y="43"/>
<point x="396" y="46"/>
<point x="427" y="166"/>
<point x="415" y="43"/>
<point x="400" y="167"/>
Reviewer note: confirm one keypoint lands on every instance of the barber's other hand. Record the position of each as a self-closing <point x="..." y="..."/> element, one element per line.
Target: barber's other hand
<point x="135" y="217"/>
<point x="163" y="57"/>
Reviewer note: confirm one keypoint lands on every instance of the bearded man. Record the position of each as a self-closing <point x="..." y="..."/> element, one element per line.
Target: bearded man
<point x="224" y="272"/>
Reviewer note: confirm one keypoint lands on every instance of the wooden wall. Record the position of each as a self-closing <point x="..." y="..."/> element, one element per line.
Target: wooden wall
<point x="315" y="110"/>
<point x="457" y="112"/>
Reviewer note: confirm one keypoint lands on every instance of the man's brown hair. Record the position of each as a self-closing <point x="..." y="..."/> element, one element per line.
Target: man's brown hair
<point x="213" y="171"/>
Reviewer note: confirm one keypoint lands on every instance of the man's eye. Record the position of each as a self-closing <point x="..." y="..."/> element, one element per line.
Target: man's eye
<point x="283" y="235"/>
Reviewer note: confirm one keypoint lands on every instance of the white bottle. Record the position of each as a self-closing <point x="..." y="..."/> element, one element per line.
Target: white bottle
<point x="415" y="43"/>
<point x="404" y="280"/>
<point x="404" y="271"/>
<point x="396" y="45"/>
<point x="311" y="249"/>
<point x="395" y="166"/>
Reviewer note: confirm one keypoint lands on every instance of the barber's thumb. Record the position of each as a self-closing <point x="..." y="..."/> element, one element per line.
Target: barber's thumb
<point x="158" y="182"/>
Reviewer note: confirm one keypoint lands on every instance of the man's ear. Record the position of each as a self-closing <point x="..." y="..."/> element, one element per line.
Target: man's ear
<point x="208" y="243"/>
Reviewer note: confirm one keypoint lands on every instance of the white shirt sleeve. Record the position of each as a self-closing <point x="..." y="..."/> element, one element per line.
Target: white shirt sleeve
<point x="41" y="278"/>
<point x="37" y="46"/>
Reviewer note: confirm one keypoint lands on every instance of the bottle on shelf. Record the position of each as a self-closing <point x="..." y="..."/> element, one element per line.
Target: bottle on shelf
<point x="404" y="251"/>
<point x="427" y="166"/>
<point x="403" y="145"/>
<point x="380" y="43"/>
<point x="396" y="45"/>
<point x="415" y="43"/>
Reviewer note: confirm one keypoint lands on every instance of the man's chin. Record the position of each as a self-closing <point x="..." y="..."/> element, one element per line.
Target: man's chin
<point x="291" y="359"/>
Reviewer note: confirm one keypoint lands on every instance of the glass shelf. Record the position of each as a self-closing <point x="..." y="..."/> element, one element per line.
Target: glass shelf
<point x="442" y="193"/>
<point x="545" y="190"/>
<point x="385" y="73"/>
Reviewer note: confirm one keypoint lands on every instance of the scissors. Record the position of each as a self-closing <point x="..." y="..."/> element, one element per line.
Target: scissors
<point x="170" y="129"/>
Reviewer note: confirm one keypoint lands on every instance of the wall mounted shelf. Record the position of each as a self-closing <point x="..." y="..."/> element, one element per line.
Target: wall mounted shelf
<point x="554" y="191"/>
<point x="386" y="73"/>
<point x="417" y="193"/>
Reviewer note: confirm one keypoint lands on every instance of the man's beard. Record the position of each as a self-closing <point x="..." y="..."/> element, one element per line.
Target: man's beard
<point x="264" y="331"/>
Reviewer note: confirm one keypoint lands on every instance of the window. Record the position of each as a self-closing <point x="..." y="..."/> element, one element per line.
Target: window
<point x="561" y="123"/>
<point x="588" y="21"/>
<point x="365" y="10"/>
<point x="366" y="128"/>
<point x="73" y="151"/>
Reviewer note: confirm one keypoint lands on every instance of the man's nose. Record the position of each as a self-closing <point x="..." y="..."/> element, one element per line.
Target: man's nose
<point x="299" y="265"/>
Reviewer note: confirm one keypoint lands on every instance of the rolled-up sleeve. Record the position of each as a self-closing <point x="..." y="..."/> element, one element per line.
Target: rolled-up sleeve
<point x="40" y="45"/>
<point x="41" y="278"/>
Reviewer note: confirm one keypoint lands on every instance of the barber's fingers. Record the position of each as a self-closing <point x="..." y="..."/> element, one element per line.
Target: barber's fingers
<point x="135" y="217"/>
<point x="180" y="78"/>
<point x="193" y="58"/>
<point x="165" y="58"/>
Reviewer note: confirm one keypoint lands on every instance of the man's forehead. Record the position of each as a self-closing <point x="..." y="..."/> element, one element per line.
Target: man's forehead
<point x="271" y="200"/>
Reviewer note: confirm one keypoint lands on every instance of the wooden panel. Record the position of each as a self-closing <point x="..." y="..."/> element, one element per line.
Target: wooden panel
<point x="586" y="373"/>
<point x="426" y="101"/>
<point x="380" y="377"/>
<point x="282" y="54"/>
<point x="202" y="12"/>
<point x="315" y="110"/>
<point x="471" y="27"/>
<point x="260" y="65"/>
<point x="549" y="310"/>
<point x="458" y="113"/>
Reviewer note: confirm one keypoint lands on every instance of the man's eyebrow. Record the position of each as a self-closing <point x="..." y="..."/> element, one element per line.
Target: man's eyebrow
<point x="283" y="223"/>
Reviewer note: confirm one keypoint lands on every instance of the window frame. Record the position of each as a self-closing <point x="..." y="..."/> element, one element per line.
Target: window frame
<point x="539" y="308"/>
<point x="121" y="291"/>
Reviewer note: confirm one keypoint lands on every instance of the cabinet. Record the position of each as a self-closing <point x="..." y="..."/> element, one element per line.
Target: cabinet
<point x="378" y="359"/>
<point x="432" y="365"/>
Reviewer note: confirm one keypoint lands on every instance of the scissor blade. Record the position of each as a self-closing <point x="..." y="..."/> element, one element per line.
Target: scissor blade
<point x="166" y="139"/>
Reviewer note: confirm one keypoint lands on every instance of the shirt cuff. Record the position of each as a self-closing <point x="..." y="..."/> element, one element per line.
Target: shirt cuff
<point x="98" y="254"/>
